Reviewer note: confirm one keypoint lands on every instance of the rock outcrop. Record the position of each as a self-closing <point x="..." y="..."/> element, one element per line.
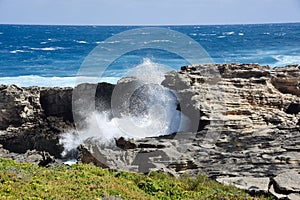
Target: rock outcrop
<point x="33" y="118"/>
<point x="248" y="127"/>
<point x="245" y="126"/>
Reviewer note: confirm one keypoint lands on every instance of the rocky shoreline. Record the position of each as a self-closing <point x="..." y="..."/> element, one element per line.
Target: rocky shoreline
<point x="257" y="147"/>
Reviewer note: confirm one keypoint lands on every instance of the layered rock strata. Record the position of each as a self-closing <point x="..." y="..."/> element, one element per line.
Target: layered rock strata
<point x="245" y="125"/>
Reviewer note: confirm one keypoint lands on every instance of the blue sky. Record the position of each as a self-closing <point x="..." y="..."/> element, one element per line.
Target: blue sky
<point x="148" y="12"/>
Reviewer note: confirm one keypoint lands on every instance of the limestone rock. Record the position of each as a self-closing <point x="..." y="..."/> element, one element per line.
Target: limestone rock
<point x="37" y="157"/>
<point x="294" y="196"/>
<point x="25" y="125"/>
<point x="287" y="79"/>
<point x="251" y="184"/>
<point x="288" y="181"/>
<point x="244" y="122"/>
<point x="18" y="106"/>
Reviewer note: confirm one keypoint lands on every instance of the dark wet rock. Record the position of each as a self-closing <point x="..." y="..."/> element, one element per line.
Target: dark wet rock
<point x="87" y="155"/>
<point x="125" y="144"/>
<point x="57" y="102"/>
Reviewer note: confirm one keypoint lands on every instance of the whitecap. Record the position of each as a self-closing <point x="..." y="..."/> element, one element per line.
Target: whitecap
<point x="81" y="41"/>
<point x="229" y="33"/>
<point x="17" y="51"/>
<point x="286" y="60"/>
<point x="193" y="34"/>
<point x="280" y="34"/>
<point x="47" y="49"/>
<point x="241" y="34"/>
<point x="221" y="36"/>
<point x="43" y="42"/>
<point x="1" y="33"/>
<point x="266" y="33"/>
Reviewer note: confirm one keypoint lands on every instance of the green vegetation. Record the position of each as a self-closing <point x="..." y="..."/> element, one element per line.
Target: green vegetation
<point x="28" y="181"/>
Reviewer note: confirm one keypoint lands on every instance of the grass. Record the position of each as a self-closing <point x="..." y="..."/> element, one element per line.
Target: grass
<point x="28" y="181"/>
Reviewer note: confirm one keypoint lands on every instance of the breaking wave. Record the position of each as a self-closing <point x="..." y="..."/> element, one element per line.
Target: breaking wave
<point x="34" y="80"/>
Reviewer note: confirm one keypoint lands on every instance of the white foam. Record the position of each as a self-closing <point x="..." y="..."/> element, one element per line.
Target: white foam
<point x="47" y="48"/>
<point x="241" y="34"/>
<point x="81" y="41"/>
<point x="280" y="34"/>
<point x="70" y="162"/>
<point x="43" y="42"/>
<point x="99" y="128"/>
<point x="33" y="80"/>
<point x="229" y="33"/>
<point x="222" y="36"/>
<point x="286" y="60"/>
<point x="17" y="51"/>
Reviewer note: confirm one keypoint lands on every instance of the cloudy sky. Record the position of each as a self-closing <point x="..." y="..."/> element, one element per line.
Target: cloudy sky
<point x="148" y="12"/>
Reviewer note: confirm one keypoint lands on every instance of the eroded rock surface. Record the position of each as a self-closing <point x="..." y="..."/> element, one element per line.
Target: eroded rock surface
<point x="33" y="118"/>
<point x="248" y="126"/>
<point x="245" y="122"/>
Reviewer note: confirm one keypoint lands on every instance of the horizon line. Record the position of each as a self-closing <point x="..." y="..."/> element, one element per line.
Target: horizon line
<point x="208" y="24"/>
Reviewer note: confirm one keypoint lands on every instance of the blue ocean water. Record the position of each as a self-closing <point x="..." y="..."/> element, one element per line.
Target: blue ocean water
<point x="52" y="55"/>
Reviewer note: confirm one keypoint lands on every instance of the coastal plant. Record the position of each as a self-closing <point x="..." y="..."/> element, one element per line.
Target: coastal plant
<point x="82" y="181"/>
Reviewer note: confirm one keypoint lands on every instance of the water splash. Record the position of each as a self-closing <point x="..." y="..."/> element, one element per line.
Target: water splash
<point x="149" y="110"/>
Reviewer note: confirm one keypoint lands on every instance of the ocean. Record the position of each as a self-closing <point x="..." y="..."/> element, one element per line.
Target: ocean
<point x="47" y="56"/>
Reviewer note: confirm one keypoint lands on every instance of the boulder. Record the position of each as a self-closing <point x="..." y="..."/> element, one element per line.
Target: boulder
<point x="288" y="182"/>
<point x="251" y="184"/>
<point x="40" y="158"/>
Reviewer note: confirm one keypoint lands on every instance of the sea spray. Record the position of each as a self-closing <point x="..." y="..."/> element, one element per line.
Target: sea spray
<point x="140" y="107"/>
<point x="99" y="128"/>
